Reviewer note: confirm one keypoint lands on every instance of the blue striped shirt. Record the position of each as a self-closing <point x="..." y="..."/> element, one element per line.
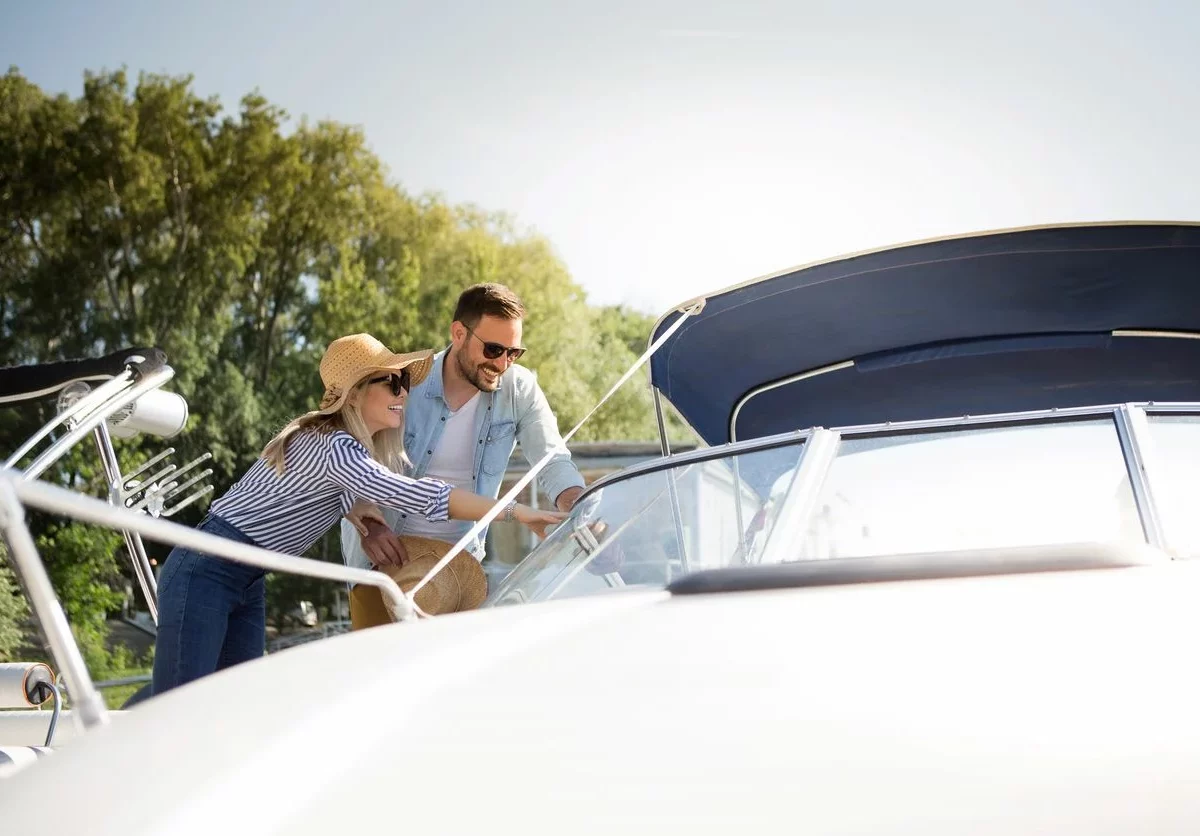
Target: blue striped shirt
<point x="323" y="474"/>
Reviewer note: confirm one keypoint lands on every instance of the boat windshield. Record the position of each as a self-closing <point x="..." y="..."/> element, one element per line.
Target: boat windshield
<point x="987" y="484"/>
<point x="1176" y="438"/>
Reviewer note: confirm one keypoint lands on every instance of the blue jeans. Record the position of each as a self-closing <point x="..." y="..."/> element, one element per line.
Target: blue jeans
<point x="212" y="612"/>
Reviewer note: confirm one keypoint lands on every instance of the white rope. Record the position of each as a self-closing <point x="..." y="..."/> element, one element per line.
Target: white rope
<point x="537" y="468"/>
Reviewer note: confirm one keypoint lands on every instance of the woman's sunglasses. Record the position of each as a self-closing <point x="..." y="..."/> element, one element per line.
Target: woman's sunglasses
<point x="492" y="351"/>
<point x="400" y="382"/>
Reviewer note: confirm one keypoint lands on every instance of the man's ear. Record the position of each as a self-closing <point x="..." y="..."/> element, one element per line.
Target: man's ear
<point x="458" y="332"/>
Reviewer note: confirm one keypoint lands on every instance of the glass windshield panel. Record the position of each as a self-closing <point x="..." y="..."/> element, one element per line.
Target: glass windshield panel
<point x="979" y="487"/>
<point x="1177" y="462"/>
<point x="626" y="534"/>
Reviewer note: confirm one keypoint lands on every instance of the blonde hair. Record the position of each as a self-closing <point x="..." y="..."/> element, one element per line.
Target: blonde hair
<point x="386" y="446"/>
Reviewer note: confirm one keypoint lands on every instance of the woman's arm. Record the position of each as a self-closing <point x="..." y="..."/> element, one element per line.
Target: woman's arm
<point x="353" y="468"/>
<point x="465" y="505"/>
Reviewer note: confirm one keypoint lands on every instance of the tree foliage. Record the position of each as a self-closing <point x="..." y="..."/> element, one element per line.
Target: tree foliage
<point x="140" y="213"/>
<point x="13" y="611"/>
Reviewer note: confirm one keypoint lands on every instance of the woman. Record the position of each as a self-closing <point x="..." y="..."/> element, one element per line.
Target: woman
<point x="212" y="611"/>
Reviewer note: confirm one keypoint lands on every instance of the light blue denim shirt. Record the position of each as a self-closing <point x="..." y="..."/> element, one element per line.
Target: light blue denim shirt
<point x="516" y="412"/>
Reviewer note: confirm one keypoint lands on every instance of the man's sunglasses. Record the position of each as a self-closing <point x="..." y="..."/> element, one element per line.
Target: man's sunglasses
<point x="400" y="382"/>
<point x="492" y="351"/>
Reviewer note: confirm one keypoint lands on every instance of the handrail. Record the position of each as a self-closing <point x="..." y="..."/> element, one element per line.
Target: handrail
<point x="139" y="679"/>
<point x="53" y="499"/>
<point x="133" y="543"/>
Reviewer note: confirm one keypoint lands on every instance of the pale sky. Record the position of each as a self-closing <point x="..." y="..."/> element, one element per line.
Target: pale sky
<point x="667" y="149"/>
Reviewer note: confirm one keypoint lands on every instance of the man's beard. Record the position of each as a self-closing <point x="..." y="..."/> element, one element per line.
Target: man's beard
<point x="475" y="375"/>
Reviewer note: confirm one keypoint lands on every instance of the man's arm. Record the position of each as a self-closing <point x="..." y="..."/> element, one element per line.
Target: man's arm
<point x="567" y="499"/>
<point x="537" y="432"/>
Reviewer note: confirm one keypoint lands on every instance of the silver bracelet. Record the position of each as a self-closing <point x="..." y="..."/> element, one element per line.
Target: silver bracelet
<point x="510" y="511"/>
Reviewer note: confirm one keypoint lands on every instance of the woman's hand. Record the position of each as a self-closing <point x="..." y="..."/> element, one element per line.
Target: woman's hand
<point x="361" y="512"/>
<point x="537" y="520"/>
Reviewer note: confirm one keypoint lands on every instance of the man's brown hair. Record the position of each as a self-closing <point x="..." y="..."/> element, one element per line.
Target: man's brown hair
<point x="487" y="299"/>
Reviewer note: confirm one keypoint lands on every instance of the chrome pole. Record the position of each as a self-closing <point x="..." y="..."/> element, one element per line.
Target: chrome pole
<point x="133" y="540"/>
<point x="677" y="519"/>
<point x="663" y="442"/>
<point x="1137" y="445"/>
<point x="85" y="699"/>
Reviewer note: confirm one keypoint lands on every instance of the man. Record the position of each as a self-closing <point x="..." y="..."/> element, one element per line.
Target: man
<point x="461" y="425"/>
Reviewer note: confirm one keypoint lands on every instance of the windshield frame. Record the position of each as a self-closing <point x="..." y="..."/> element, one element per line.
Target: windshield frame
<point x="700" y="454"/>
<point x="1137" y="448"/>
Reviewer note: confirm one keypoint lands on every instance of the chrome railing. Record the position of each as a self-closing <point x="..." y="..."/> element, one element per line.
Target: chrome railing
<point x="138" y="505"/>
<point x="15" y="493"/>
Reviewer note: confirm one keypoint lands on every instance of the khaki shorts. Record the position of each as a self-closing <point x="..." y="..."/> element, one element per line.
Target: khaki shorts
<point x="366" y="608"/>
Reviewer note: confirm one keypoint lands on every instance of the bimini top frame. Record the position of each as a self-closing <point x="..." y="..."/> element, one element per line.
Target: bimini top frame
<point x="1007" y="321"/>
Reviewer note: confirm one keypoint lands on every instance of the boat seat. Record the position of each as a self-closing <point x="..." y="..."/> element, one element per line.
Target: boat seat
<point x="19" y="384"/>
<point x="14" y="758"/>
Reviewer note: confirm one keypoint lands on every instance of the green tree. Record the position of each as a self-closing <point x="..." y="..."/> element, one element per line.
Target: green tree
<point x="140" y="213"/>
<point x="14" y="611"/>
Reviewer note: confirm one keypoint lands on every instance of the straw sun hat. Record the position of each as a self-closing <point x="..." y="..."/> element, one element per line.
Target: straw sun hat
<point x="460" y="585"/>
<point x="349" y="359"/>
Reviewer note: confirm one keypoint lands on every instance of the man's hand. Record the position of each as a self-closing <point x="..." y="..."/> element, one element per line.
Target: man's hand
<point x="382" y="546"/>
<point x="567" y="499"/>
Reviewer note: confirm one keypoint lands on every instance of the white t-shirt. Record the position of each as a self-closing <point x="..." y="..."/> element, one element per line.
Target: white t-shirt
<point x="452" y="462"/>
